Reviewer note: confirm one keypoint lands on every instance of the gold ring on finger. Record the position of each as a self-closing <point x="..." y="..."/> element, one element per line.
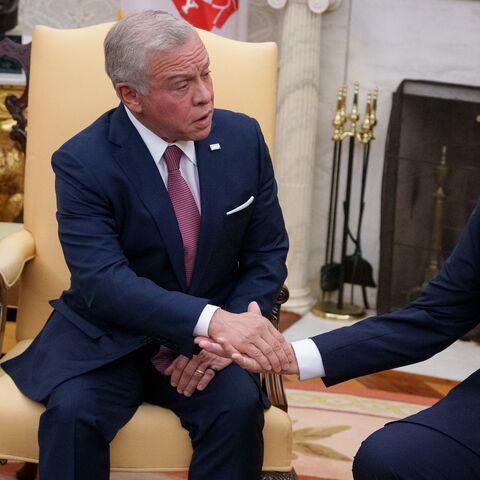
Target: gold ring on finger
<point x="201" y="372"/>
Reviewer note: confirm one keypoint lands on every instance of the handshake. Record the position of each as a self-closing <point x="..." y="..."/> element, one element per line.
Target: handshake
<point x="250" y="340"/>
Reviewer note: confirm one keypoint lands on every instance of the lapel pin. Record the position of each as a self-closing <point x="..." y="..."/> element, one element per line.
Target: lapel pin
<point x="215" y="146"/>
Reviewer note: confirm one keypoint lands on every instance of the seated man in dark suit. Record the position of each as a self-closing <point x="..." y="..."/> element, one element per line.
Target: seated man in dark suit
<point x="170" y="226"/>
<point x="440" y="442"/>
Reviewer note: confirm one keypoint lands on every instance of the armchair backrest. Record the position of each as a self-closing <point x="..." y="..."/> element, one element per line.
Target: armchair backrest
<point x="68" y="90"/>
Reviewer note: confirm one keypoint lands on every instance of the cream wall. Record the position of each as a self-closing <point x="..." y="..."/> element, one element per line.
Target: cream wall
<point x="378" y="42"/>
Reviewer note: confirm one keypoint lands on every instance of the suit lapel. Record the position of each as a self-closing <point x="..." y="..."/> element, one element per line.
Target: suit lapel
<point x="211" y="172"/>
<point x="135" y="160"/>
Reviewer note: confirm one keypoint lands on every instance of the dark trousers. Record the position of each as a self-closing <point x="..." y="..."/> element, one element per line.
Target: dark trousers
<point x="225" y="421"/>
<point x="409" y="451"/>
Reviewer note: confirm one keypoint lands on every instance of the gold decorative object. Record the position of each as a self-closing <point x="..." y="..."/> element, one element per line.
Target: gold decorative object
<point x="330" y="310"/>
<point x="364" y="134"/>
<point x="12" y="161"/>
<point x="353" y="269"/>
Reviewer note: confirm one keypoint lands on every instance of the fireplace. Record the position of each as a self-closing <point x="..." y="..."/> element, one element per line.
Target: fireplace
<point x="425" y="117"/>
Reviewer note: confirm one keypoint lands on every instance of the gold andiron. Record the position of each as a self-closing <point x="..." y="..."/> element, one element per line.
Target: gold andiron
<point x="353" y="268"/>
<point x="436" y="239"/>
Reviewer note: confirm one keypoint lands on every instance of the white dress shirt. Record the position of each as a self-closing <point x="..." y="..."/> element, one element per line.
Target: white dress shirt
<point x="309" y="359"/>
<point x="188" y="168"/>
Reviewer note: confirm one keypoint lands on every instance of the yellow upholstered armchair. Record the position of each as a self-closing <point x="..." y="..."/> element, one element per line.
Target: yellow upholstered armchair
<point x="68" y="90"/>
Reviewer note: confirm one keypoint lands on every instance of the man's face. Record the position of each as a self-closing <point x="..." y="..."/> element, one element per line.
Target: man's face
<point x="179" y="102"/>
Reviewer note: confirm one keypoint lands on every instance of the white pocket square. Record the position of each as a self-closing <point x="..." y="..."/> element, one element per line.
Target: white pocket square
<point x="242" y="206"/>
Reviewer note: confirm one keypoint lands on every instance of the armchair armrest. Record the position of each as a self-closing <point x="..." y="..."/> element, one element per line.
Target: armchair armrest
<point x="272" y="381"/>
<point x="15" y="250"/>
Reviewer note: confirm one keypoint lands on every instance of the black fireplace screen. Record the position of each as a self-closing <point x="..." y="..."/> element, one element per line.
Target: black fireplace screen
<point x="425" y="117"/>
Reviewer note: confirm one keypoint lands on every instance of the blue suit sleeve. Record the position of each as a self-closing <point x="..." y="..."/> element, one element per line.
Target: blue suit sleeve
<point x="115" y="295"/>
<point x="447" y="309"/>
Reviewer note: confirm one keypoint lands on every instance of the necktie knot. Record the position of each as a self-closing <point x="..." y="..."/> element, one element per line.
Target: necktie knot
<point x="172" y="157"/>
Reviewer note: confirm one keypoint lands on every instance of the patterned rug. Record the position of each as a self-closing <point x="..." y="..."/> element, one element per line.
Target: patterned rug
<point x="329" y="426"/>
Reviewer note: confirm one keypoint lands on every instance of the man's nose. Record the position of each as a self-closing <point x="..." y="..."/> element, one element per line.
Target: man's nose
<point x="203" y="92"/>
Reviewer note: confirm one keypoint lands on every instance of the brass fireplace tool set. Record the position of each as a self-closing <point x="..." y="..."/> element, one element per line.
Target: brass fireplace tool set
<point x="352" y="268"/>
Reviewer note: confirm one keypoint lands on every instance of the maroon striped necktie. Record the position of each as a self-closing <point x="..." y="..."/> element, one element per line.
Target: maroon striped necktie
<point x="188" y="218"/>
<point x="186" y="210"/>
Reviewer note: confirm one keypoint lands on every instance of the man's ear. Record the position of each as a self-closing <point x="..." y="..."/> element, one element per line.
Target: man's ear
<point x="129" y="96"/>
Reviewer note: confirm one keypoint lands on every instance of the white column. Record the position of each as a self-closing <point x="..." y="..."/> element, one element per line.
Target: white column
<point x="296" y="135"/>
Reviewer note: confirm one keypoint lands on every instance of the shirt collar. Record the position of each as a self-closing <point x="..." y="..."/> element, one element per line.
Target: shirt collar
<point x="157" y="145"/>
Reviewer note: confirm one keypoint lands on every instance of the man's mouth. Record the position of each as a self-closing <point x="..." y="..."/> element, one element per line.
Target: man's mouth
<point x="204" y="118"/>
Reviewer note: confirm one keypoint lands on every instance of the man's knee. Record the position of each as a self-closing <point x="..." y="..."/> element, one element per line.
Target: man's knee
<point x="65" y="396"/>
<point x="69" y="408"/>
<point x="244" y="406"/>
<point x="379" y="456"/>
<point x="82" y="410"/>
<point x="241" y="407"/>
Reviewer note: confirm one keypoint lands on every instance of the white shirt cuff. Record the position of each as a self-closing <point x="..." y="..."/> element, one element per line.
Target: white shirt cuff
<point x="201" y="328"/>
<point x="310" y="363"/>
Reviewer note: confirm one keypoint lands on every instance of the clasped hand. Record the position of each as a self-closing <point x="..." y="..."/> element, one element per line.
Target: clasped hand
<point x="250" y="340"/>
<point x="190" y="374"/>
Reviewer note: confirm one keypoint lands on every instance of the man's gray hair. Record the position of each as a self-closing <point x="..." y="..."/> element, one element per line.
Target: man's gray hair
<point x="131" y="39"/>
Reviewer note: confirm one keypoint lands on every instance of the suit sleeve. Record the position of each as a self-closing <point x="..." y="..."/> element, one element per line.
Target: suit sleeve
<point x="115" y="295"/>
<point x="447" y="309"/>
<point x="265" y="245"/>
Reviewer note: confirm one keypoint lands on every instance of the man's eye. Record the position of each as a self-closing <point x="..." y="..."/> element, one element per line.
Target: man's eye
<point x="207" y="73"/>
<point x="182" y="86"/>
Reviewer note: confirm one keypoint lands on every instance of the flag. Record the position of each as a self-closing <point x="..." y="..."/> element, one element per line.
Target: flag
<point x="224" y="17"/>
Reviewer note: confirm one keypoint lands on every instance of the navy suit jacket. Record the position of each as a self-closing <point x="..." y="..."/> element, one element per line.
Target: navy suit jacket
<point x="123" y="247"/>
<point x="447" y="309"/>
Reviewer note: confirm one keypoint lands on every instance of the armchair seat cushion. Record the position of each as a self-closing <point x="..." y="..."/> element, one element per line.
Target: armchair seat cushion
<point x="152" y="440"/>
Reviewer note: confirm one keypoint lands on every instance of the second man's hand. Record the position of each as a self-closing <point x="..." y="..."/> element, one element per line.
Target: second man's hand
<point x="253" y="366"/>
<point x="250" y="337"/>
<point x="244" y="361"/>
